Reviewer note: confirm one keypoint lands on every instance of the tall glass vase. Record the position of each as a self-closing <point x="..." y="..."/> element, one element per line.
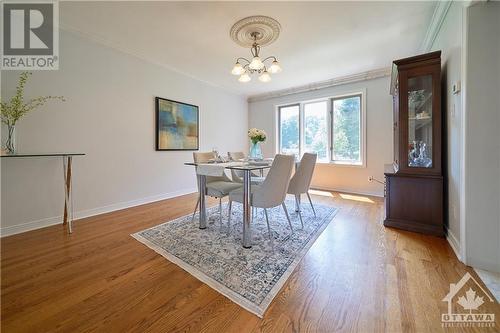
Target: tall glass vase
<point x="10" y="144"/>
<point x="255" y="151"/>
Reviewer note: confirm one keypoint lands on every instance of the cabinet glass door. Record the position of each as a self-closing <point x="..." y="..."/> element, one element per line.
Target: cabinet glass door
<point x="420" y="121"/>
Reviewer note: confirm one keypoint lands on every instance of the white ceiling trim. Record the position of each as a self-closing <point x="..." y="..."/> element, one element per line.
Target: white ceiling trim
<point x="368" y="75"/>
<point x="137" y="54"/>
<point x="435" y="26"/>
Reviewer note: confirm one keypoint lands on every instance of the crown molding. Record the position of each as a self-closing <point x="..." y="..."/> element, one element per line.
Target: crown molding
<point x="435" y="25"/>
<point x="137" y="54"/>
<point x="368" y="75"/>
<point x="470" y="3"/>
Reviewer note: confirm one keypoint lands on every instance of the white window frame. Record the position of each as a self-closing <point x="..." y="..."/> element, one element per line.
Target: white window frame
<point x="329" y="102"/>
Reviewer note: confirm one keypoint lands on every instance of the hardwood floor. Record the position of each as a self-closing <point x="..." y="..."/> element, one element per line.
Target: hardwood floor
<point x="358" y="277"/>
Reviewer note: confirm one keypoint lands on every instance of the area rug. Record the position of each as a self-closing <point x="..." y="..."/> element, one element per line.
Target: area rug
<point x="249" y="277"/>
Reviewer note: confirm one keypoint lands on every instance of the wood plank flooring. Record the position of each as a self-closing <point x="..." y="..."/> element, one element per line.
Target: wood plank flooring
<point x="358" y="277"/>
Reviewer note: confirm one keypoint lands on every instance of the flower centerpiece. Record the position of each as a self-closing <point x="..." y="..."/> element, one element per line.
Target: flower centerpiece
<point x="16" y="108"/>
<point x="256" y="136"/>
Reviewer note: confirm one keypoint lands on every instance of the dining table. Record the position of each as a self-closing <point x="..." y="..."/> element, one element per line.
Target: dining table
<point x="216" y="169"/>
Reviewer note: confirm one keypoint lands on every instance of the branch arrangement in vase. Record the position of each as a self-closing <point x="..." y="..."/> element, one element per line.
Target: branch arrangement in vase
<point x="16" y="108"/>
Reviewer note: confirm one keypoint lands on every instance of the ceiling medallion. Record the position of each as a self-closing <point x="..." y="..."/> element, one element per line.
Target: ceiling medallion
<point x="255" y="32"/>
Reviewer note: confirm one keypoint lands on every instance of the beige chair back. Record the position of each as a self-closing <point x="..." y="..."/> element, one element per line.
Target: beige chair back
<point x="236" y="155"/>
<point x="236" y="175"/>
<point x="272" y="192"/>
<point x="301" y="180"/>
<point x="205" y="157"/>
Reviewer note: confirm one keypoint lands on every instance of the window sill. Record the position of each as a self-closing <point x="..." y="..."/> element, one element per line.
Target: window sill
<point x="345" y="165"/>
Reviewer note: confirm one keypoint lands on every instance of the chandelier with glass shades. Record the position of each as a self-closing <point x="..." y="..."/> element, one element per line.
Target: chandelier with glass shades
<point x="244" y="67"/>
<point x="254" y="32"/>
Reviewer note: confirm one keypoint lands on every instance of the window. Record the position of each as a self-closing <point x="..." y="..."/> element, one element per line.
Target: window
<point x="316" y="129"/>
<point x="332" y="127"/>
<point x="289" y="129"/>
<point x="346" y="130"/>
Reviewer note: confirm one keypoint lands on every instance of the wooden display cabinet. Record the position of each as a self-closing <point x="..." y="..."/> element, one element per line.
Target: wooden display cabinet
<point x="414" y="182"/>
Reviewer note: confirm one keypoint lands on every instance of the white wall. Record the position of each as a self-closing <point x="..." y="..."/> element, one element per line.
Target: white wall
<point x="262" y="114"/>
<point x="482" y="151"/>
<point x="449" y="41"/>
<point x="109" y="115"/>
<point x="470" y="48"/>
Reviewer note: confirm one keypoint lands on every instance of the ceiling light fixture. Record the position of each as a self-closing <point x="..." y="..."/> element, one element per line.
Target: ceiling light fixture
<point x="255" y="31"/>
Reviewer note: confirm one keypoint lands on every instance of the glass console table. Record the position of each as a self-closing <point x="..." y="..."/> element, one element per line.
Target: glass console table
<point x="67" y="161"/>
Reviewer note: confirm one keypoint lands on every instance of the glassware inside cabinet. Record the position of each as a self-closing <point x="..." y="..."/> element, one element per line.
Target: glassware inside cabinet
<point x="420" y="121"/>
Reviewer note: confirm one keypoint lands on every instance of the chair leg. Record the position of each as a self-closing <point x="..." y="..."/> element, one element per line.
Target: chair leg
<point x="229" y="217"/>
<point x="310" y="201"/>
<point x="287" y="217"/>
<point x="268" y="227"/>
<point x="195" y="209"/>
<point x="220" y="211"/>
<point x="298" y="210"/>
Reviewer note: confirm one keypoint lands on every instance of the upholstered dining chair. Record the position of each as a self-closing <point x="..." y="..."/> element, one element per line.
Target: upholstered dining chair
<point x="301" y="181"/>
<point x="272" y="192"/>
<point x="237" y="175"/>
<point x="217" y="187"/>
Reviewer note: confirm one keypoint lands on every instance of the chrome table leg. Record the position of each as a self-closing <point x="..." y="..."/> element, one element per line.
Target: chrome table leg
<point x="247" y="210"/>
<point x="202" y="181"/>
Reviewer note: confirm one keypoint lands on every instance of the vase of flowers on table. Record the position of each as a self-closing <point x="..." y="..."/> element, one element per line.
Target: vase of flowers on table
<point x="256" y="137"/>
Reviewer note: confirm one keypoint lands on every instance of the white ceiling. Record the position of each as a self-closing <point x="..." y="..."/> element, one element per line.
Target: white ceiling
<point x="318" y="41"/>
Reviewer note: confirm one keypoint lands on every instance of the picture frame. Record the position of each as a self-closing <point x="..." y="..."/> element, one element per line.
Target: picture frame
<point x="177" y="125"/>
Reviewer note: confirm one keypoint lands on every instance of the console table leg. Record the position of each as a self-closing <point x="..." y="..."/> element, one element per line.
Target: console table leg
<point x="68" y="207"/>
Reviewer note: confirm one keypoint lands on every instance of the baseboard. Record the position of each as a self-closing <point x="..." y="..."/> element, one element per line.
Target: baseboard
<point x="324" y="188"/>
<point x="27" y="226"/>
<point x="132" y="203"/>
<point x="46" y="222"/>
<point x="491" y="281"/>
<point x="454" y="243"/>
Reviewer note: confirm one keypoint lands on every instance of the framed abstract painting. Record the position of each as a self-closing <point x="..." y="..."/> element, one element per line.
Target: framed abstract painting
<point x="177" y="125"/>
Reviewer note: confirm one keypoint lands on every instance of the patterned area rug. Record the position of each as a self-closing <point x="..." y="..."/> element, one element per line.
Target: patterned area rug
<point x="249" y="277"/>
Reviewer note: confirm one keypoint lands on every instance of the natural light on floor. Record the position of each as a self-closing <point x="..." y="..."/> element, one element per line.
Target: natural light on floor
<point x="355" y="197"/>
<point x="322" y="193"/>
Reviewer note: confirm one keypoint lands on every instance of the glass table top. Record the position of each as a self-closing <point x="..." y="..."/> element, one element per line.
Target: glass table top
<point x="238" y="165"/>
<point x="41" y="154"/>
